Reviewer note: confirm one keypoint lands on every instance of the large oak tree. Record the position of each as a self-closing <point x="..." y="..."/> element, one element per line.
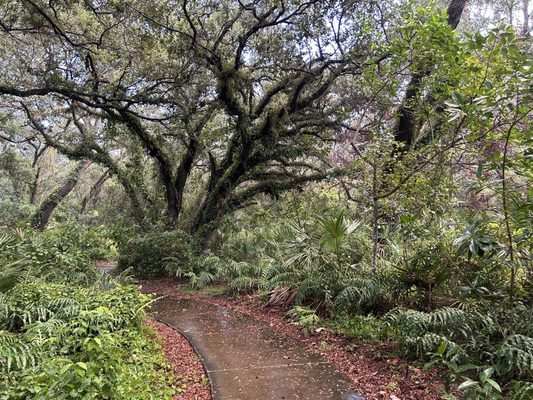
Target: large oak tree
<point x="240" y="95"/>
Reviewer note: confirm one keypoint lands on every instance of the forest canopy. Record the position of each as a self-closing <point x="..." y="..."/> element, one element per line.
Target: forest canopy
<point x="223" y="101"/>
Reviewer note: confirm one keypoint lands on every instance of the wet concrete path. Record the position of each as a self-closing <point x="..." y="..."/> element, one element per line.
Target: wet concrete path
<point x="246" y="359"/>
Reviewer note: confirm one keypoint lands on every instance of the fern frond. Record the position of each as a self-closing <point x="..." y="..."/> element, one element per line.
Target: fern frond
<point x="429" y="342"/>
<point x="362" y="294"/>
<point x="522" y="391"/>
<point x="41" y="330"/>
<point x="198" y="281"/>
<point x="516" y="354"/>
<point x="284" y="279"/>
<point x="16" y="353"/>
<point x="244" y="283"/>
<point x="36" y="313"/>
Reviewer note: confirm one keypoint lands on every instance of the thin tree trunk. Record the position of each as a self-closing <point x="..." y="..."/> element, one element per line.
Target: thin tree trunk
<point x="508" y="230"/>
<point x="41" y="218"/>
<point x="183" y="172"/>
<point x="455" y="10"/>
<point x="39" y="151"/>
<point x="172" y="205"/>
<point x="35" y="186"/>
<point x="525" y="11"/>
<point x="375" y="214"/>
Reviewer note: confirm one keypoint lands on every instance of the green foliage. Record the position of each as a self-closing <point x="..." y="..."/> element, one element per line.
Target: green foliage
<point x="244" y="276"/>
<point x="156" y="253"/>
<point x="364" y="294"/>
<point x="95" y="242"/>
<point x="475" y="241"/>
<point x="15" y="176"/>
<point x="521" y="391"/>
<point x="423" y="332"/>
<point x="306" y="318"/>
<point x="309" y="263"/>
<point x="61" y="341"/>
<point x="200" y="271"/>
<point x="53" y="255"/>
<point x="515" y="356"/>
<point x="496" y="344"/>
<point x="473" y="386"/>
<point x="364" y="328"/>
<point x="72" y="333"/>
<point x="206" y="269"/>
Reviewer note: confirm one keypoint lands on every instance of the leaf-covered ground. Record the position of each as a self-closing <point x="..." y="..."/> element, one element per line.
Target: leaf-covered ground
<point x="191" y="380"/>
<point x="374" y="373"/>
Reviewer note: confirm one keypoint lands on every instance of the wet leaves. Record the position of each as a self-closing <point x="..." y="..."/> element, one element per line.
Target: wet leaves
<point x="191" y="380"/>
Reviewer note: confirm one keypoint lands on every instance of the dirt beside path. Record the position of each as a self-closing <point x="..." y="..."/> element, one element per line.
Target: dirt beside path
<point x="192" y="382"/>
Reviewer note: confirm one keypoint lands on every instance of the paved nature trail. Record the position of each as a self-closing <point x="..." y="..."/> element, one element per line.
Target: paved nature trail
<point x="247" y="359"/>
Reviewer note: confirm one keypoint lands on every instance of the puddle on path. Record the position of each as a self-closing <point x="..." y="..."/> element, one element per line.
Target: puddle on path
<point x="247" y="359"/>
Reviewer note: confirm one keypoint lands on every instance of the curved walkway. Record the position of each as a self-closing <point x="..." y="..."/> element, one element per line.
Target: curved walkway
<point x="246" y="359"/>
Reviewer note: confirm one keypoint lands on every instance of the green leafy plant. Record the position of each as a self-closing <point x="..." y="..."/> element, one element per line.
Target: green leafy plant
<point x="52" y="255"/>
<point x="66" y="342"/>
<point x="306" y="318"/>
<point x="365" y="328"/>
<point x="156" y="254"/>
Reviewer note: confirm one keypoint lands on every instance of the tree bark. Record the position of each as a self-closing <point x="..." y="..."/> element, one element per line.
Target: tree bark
<point x="41" y="218"/>
<point x="39" y="151"/>
<point x="506" y="216"/>
<point x="182" y="173"/>
<point x="35" y="186"/>
<point x="525" y="11"/>
<point x="375" y="217"/>
<point x="455" y="10"/>
<point x="165" y="166"/>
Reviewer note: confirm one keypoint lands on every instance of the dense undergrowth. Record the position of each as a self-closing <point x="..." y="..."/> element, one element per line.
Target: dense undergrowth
<point x="67" y="332"/>
<point x="440" y="291"/>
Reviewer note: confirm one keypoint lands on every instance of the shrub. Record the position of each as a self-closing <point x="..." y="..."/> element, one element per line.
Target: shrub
<point x="365" y="328"/>
<point x="49" y="256"/>
<point x="207" y="268"/>
<point x="306" y="318"/>
<point x="94" y="242"/>
<point x="60" y="341"/>
<point x="199" y="271"/>
<point x="156" y="253"/>
<point x="470" y="343"/>
<point x="365" y="294"/>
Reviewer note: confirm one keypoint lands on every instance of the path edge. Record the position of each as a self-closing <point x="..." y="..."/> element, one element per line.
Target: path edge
<point x="200" y="357"/>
